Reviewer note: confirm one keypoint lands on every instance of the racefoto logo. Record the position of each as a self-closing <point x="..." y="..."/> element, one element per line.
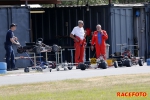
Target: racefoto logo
<point x="131" y="94"/>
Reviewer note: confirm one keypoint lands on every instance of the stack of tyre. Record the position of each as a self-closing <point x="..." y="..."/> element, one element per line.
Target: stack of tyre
<point x="3" y="68"/>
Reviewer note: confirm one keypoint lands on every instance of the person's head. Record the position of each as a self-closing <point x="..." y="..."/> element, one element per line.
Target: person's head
<point x="98" y="27"/>
<point x="13" y="27"/>
<point x="80" y="23"/>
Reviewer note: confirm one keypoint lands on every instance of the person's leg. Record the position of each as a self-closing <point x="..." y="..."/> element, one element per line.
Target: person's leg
<point x="103" y="52"/>
<point x="8" y="55"/>
<point x="82" y="51"/>
<point x="97" y="52"/>
<point x="13" y="60"/>
<point x="77" y="52"/>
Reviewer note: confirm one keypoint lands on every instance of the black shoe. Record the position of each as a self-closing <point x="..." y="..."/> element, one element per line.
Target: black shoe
<point x="9" y="69"/>
<point x="15" y="69"/>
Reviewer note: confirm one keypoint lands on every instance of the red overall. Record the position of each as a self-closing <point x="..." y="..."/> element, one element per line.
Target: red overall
<point x="80" y="48"/>
<point x="100" y="48"/>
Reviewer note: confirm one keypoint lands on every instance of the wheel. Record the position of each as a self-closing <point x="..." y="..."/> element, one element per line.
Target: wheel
<point x="50" y="70"/>
<point x="120" y="65"/>
<point x="44" y="67"/>
<point x="26" y="70"/>
<point x="51" y="65"/>
<point x="65" y="68"/>
<point x="102" y="65"/>
<point x="57" y="69"/>
<point x="116" y="64"/>
<point x="40" y="69"/>
<point x="82" y="66"/>
<point x="128" y="63"/>
<point x="70" y="68"/>
<point x="140" y="62"/>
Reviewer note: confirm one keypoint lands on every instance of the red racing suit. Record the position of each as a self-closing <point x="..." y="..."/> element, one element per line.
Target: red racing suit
<point x="100" y="48"/>
<point x="80" y="48"/>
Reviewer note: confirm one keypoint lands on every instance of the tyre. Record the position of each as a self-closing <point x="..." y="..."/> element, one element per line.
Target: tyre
<point x="70" y="68"/>
<point x="128" y="63"/>
<point x="51" y="65"/>
<point x="3" y="71"/>
<point x="140" y="62"/>
<point x="116" y="64"/>
<point x="26" y="70"/>
<point x="57" y="69"/>
<point x="50" y="70"/>
<point x="65" y="69"/>
<point x="82" y="66"/>
<point x="120" y="65"/>
<point x="103" y="65"/>
<point x="3" y="66"/>
<point x="40" y="69"/>
<point x="37" y="50"/>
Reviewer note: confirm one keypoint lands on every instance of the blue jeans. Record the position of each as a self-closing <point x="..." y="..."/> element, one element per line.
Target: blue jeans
<point x="10" y="57"/>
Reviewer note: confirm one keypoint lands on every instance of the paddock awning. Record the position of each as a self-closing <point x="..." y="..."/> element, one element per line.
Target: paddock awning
<point x="19" y="2"/>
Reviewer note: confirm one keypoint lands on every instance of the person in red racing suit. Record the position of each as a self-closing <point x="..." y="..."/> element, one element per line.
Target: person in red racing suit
<point x="78" y="34"/>
<point x="98" y="39"/>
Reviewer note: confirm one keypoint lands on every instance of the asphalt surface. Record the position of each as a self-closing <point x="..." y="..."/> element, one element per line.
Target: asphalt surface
<point x="19" y="77"/>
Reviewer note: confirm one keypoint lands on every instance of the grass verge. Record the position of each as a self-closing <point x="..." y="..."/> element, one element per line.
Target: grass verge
<point x="97" y="88"/>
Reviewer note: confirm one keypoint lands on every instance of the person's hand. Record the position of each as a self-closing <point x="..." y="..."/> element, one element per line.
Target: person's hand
<point x="92" y="47"/>
<point x="18" y="44"/>
<point x="15" y="38"/>
<point x="76" y="40"/>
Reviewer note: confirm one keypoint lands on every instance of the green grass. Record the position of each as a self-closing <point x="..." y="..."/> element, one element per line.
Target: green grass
<point x="98" y="88"/>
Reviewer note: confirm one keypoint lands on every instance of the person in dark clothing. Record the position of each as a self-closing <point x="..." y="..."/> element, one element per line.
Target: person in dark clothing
<point x="10" y="40"/>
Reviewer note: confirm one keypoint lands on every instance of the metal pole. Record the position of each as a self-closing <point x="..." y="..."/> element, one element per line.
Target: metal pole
<point x="61" y="56"/>
<point x="46" y="56"/>
<point x="26" y="3"/>
<point x="89" y="53"/>
<point x="109" y="1"/>
<point x="137" y="36"/>
<point x="121" y="49"/>
<point x="58" y="57"/>
<point x="34" y="60"/>
<point x="71" y="54"/>
<point x="147" y="47"/>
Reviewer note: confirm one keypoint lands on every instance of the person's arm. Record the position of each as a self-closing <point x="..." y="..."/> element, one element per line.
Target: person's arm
<point x="13" y="41"/>
<point x="15" y="38"/>
<point x="12" y="37"/>
<point x="85" y="33"/>
<point x="72" y="35"/>
<point x="105" y="36"/>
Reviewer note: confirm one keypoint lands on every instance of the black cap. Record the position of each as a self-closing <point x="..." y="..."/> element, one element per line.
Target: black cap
<point x="12" y="25"/>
